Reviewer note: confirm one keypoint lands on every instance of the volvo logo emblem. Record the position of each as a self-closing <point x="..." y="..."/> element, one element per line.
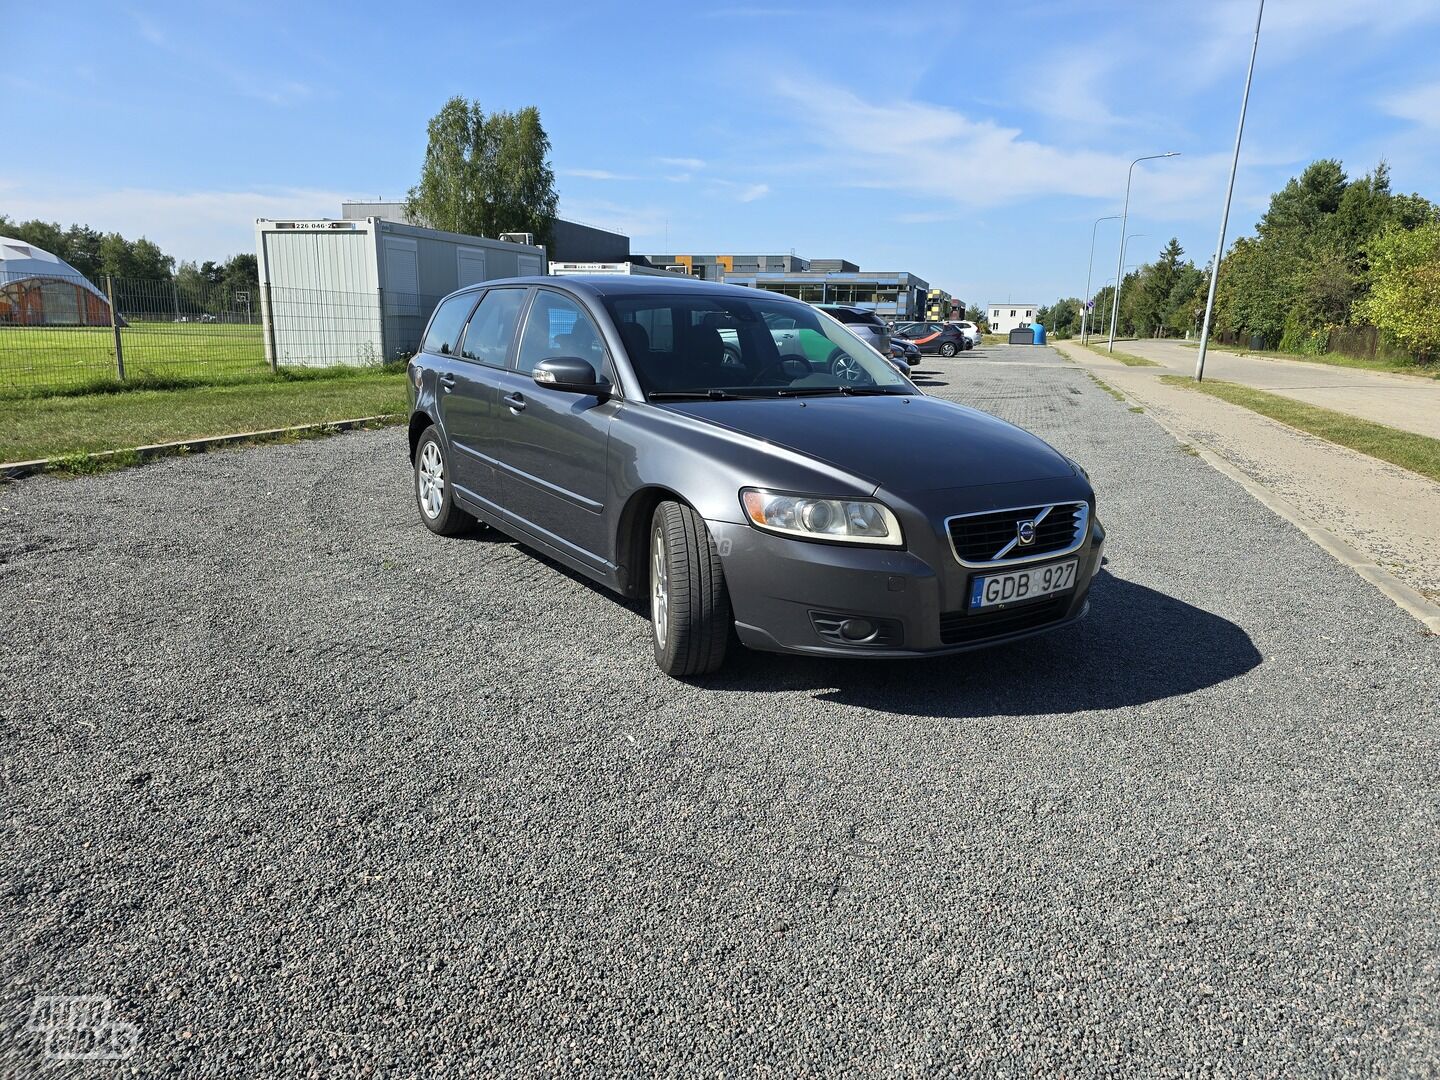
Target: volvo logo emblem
<point x="1025" y="533"/>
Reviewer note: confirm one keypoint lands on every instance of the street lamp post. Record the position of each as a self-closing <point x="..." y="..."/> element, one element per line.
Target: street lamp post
<point x="1124" y="219"/>
<point x="1085" y="312"/>
<point x="1229" y="192"/>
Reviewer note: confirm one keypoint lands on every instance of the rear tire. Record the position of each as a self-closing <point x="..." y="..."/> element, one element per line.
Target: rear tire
<point x="948" y="349"/>
<point x="690" y="616"/>
<point x="434" y="492"/>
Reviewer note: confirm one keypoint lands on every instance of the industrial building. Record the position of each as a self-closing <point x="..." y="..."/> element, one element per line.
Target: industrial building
<point x="360" y="291"/>
<point x="719" y="267"/>
<point x="1011" y="316"/>
<point x="570" y="241"/>
<point x="891" y="295"/>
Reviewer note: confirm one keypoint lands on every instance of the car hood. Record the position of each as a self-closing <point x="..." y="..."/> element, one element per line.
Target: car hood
<point x="901" y="444"/>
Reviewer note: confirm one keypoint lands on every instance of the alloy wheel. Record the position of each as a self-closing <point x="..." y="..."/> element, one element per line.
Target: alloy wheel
<point x="659" y="587"/>
<point x="846" y="369"/>
<point x="430" y="480"/>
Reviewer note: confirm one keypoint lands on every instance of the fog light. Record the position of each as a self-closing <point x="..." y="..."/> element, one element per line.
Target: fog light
<point x="857" y="629"/>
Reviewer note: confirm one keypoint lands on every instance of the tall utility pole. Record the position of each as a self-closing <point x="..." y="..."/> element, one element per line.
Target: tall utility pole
<point x="1085" y="310"/>
<point x="1124" y="220"/>
<point x="1229" y="192"/>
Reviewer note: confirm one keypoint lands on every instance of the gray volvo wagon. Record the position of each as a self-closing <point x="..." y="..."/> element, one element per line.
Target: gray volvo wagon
<point x="748" y="465"/>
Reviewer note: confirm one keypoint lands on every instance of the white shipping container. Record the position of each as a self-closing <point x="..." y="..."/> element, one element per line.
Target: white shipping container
<point x="360" y="292"/>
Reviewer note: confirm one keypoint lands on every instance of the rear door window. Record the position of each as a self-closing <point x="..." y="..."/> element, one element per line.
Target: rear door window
<point x="443" y="333"/>
<point x="492" y="327"/>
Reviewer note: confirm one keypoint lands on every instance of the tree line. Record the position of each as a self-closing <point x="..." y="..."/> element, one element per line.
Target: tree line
<point x="1329" y="254"/>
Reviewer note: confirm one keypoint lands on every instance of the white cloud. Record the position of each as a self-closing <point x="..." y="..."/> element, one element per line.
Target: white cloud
<point x="975" y="163"/>
<point x="691" y="164"/>
<point x="595" y="174"/>
<point x="194" y="225"/>
<point x="1066" y="91"/>
<point x="1419" y="103"/>
<point x="258" y="85"/>
<point x="741" y="192"/>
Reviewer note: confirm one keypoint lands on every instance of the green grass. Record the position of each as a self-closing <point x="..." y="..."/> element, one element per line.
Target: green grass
<point x="1128" y="359"/>
<point x="1391" y="366"/>
<point x="1116" y="394"/>
<point x="51" y="358"/>
<point x="67" y="425"/>
<point x="1418" y="453"/>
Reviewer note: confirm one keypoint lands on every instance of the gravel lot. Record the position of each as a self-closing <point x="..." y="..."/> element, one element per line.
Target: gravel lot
<point x="307" y="790"/>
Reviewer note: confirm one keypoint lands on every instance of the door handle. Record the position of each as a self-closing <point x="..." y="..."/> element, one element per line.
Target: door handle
<point x="447" y="383"/>
<point x="515" y="401"/>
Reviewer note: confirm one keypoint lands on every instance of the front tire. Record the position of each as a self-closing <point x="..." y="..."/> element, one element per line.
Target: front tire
<point x="434" y="494"/>
<point x="948" y="349"/>
<point x="689" y="606"/>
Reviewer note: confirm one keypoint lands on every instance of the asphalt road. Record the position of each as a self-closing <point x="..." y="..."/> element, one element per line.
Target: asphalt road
<point x="309" y="791"/>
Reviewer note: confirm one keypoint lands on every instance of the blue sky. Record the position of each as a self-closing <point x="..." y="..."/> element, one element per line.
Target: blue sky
<point x="972" y="144"/>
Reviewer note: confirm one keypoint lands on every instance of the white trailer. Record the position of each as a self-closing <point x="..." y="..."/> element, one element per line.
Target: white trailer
<point x="360" y="292"/>
<point x="563" y="269"/>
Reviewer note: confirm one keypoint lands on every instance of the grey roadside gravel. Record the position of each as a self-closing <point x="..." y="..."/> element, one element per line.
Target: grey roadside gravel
<point x="309" y="791"/>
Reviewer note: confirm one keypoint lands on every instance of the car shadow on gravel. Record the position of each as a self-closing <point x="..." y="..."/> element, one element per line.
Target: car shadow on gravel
<point x="1136" y="646"/>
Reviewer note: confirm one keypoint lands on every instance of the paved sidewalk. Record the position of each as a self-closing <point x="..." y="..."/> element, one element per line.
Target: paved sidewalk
<point x="1407" y="402"/>
<point x="1389" y="515"/>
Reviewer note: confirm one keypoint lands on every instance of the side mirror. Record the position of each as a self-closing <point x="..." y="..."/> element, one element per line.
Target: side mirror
<point x="571" y="375"/>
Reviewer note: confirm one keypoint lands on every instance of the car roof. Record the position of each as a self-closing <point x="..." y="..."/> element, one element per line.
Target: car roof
<point x="602" y="285"/>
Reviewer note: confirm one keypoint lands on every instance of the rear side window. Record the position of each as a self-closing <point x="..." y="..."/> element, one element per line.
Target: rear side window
<point x="445" y="325"/>
<point x="492" y="327"/>
<point x="557" y="327"/>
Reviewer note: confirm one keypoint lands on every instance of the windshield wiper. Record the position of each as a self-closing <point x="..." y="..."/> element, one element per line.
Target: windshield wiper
<point x="699" y="395"/>
<point x="846" y="389"/>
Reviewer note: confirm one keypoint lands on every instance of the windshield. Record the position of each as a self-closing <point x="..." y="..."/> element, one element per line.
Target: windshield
<point x="712" y="345"/>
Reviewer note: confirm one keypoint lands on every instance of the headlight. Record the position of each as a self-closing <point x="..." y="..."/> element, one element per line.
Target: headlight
<point x="811" y="517"/>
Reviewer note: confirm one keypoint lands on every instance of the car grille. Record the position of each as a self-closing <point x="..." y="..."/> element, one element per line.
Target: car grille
<point x="990" y="539"/>
<point x="961" y="628"/>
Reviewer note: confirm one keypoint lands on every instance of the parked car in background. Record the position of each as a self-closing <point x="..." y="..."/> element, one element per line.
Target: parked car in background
<point x="905" y="350"/>
<point x="947" y="339"/>
<point x="898" y="360"/>
<point x="863" y="323"/>
<point x="971" y="330"/>
<point x="603" y="422"/>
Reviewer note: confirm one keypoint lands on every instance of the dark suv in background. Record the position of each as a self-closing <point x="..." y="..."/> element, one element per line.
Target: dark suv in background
<point x="864" y="324"/>
<point x="947" y="339"/>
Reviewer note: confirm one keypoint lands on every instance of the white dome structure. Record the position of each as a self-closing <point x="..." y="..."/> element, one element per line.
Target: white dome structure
<point x="41" y="289"/>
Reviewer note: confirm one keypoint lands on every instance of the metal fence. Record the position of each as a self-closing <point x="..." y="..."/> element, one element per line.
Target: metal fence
<point x="58" y="333"/>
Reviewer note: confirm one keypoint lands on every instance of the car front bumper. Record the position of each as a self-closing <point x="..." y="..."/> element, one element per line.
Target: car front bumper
<point x="783" y="591"/>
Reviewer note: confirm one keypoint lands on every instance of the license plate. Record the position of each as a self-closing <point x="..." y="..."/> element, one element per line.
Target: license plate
<point x="1017" y="585"/>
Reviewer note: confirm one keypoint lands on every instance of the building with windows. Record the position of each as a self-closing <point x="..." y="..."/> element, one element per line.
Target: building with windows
<point x="891" y="295"/>
<point x="1011" y="316"/>
<point x="941" y="306"/>
<point x="720" y="267"/>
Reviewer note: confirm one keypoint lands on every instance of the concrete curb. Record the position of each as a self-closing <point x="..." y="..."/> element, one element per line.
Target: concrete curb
<point x="14" y="470"/>
<point x="1410" y="600"/>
